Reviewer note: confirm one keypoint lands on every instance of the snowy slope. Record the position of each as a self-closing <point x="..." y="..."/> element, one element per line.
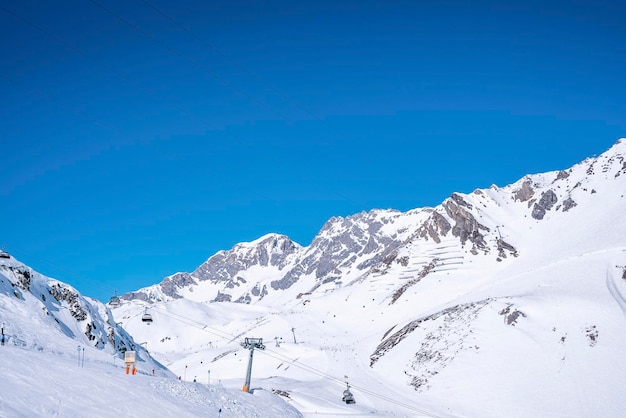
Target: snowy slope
<point x="44" y="384"/>
<point x="59" y="359"/>
<point x="508" y="300"/>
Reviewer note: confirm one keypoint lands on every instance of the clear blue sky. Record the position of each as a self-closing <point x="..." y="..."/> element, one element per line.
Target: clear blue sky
<point x="139" y="137"/>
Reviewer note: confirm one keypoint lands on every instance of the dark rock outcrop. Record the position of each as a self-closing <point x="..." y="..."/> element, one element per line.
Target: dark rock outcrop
<point x="172" y="284"/>
<point x="525" y="193"/>
<point x="568" y="204"/>
<point x="548" y="199"/>
<point x="466" y="226"/>
<point x="435" y="227"/>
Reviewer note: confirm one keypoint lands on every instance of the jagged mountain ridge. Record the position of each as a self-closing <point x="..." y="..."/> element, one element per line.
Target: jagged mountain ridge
<point x="348" y="248"/>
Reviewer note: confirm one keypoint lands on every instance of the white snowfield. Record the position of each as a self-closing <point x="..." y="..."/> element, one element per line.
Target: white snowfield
<point x="528" y="322"/>
<point x="47" y="384"/>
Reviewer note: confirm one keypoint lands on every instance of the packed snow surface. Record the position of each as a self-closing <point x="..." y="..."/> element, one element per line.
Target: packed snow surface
<point x="40" y="383"/>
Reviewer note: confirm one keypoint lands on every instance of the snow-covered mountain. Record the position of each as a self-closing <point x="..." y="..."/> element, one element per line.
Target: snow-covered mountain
<point x="507" y="300"/>
<point x="504" y="301"/>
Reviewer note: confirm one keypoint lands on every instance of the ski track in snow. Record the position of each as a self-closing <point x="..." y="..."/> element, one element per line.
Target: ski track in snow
<point x="612" y="286"/>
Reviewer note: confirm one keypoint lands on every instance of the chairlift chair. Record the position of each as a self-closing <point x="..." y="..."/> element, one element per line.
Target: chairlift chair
<point x="115" y="300"/>
<point x="348" y="397"/>
<point x="146" y="317"/>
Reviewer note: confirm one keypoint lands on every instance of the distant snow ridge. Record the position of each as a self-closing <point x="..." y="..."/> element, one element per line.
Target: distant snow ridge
<point x="352" y="248"/>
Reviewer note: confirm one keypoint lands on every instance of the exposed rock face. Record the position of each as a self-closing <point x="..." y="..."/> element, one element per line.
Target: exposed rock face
<point x="222" y="297"/>
<point x="562" y="175"/>
<point x="259" y="293"/>
<point x="64" y="294"/>
<point x="137" y="296"/>
<point x="466" y="227"/>
<point x="568" y="204"/>
<point x="505" y="246"/>
<point x="435" y="227"/>
<point x="340" y="242"/>
<point x="460" y="201"/>
<point x="511" y="315"/>
<point x="526" y="192"/>
<point x="23" y="277"/>
<point x="548" y="199"/>
<point x="271" y="251"/>
<point x="288" y="279"/>
<point x="171" y="284"/>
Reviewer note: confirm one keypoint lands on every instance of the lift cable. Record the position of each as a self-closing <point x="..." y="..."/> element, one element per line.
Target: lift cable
<point x="293" y="362"/>
<point x="194" y="323"/>
<point x="326" y="376"/>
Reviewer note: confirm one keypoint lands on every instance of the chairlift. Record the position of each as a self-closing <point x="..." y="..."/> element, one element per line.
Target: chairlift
<point x="348" y="397"/>
<point x="146" y="317"/>
<point x="115" y="300"/>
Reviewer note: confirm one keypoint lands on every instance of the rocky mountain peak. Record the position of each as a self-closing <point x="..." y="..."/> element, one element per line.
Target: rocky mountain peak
<point x="269" y="250"/>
